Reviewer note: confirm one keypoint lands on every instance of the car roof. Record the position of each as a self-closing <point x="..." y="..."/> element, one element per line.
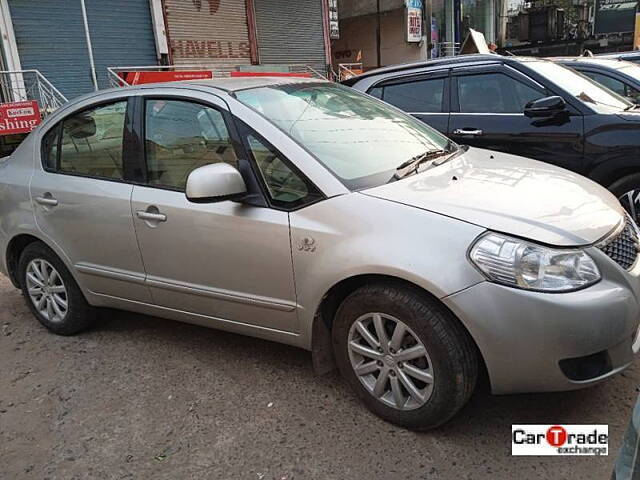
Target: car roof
<point x="232" y="84"/>
<point x="442" y="62"/>
<point x="605" y="62"/>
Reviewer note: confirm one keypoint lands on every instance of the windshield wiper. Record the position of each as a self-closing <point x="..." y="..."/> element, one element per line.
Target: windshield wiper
<point x="633" y="106"/>
<point x="412" y="165"/>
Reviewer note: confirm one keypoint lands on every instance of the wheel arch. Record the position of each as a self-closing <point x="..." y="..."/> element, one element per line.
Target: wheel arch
<point x="16" y="246"/>
<point x="321" y="340"/>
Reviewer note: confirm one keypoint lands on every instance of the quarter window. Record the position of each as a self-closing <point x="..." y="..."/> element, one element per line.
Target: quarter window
<point x="416" y="96"/>
<point x="286" y="187"/>
<point x="50" y="148"/>
<point x="181" y="136"/>
<point x="92" y="142"/>
<point x="494" y="93"/>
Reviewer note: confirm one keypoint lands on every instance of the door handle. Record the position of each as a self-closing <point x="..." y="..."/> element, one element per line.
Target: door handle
<point x="47" y="200"/>
<point x="467" y="131"/>
<point x="151" y="216"/>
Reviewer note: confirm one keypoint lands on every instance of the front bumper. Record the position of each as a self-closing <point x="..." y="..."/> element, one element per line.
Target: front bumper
<point x="531" y="341"/>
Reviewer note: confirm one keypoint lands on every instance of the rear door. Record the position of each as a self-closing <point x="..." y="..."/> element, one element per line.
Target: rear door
<point x="488" y="112"/>
<point x="82" y="200"/>
<point x="425" y="96"/>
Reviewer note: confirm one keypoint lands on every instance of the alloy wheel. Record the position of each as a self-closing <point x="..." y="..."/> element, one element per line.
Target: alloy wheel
<point x="47" y="290"/>
<point x="390" y="361"/>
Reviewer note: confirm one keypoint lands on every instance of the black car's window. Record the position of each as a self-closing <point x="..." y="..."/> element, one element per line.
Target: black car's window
<point x="615" y="85"/>
<point x="181" y="136"/>
<point x="286" y="187"/>
<point x="494" y="93"/>
<point x="376" y="92"/>
<point x="416" y="96"/>
<point x="92" y="142"/>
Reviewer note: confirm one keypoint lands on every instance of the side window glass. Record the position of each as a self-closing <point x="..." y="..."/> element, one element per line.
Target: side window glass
<point x="49" y="149"/>
<point x="181" y="136"/>
<point x="416" y="96"/>
<point x="376" y="92"/>
<point x="286" y="187"/>
<point x="611" y="83"/>
<point x="92" y="142"/>
<point x="494" y="93"/>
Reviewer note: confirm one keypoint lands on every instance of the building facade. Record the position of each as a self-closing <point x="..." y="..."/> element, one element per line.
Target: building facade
<point x="73" y="42"/>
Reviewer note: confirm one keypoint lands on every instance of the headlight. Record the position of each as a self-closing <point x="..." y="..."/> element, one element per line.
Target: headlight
<point x="521" y="264"/>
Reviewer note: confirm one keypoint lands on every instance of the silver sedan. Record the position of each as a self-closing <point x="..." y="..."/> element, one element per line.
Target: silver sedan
<point x="310" y="214"/>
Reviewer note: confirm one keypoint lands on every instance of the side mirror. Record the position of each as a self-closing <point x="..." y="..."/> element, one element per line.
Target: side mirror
<point x="545" y="107"/>
<point x="215" y="183"/>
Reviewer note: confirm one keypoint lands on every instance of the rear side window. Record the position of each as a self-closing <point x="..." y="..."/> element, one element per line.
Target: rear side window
<point x="91" y="142"/>
<point x="181" y="136"/>
<point x="494" y="93"/>
<point x="416" y="96"/>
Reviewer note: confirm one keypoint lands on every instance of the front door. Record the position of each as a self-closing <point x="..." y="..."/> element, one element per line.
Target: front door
<point x="82" y="203"/>
<point x="488" y="112"/>
<point x="225" y="260"/>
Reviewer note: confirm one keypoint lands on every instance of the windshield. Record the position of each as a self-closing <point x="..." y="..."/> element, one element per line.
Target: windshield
<point x="360" y="139"/>
<point x="599" y="99"/>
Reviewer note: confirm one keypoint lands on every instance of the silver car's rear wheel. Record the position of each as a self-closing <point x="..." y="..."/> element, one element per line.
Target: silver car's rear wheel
<point x="47" y="290"/>
<point x="390" y="361"/>
<point x="51" y="292"/>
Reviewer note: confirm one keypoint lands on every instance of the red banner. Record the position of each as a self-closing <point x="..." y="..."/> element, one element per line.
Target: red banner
<point x="19" y="117"/>
<point x="138" y="78"/>
<point x="271" y="74"/>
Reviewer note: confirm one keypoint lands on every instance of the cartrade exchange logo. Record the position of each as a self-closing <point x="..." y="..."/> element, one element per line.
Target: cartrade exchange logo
<point x="559" y="439"/>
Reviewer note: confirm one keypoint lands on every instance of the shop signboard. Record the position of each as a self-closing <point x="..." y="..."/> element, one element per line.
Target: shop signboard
<point x="141" y="77"/>
<point x="334" y="29"/>
<point x="615" y="16"/>
<point x="414" y="21"/>
<point x="19" y="117"/>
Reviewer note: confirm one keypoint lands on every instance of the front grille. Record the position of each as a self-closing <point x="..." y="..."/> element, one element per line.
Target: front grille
<point x="623" y="248"/>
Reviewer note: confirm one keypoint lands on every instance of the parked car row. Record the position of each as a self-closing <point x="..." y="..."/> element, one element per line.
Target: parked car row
<point x="525" y="106"/>
<point x="311" y="214"/>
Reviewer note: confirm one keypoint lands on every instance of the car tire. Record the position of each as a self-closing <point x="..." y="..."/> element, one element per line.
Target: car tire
<point x="51" y="292"/>
<point x="451" y="356"/>
<point x="627" y="190"/>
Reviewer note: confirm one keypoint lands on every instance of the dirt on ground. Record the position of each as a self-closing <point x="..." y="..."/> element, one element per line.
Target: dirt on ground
<point x="146" y="398"/>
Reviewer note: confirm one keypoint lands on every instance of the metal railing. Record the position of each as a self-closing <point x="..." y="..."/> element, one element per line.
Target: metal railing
<point x="117" y="77"/>
<point x="348" y="70"/>
<point x="21" y="85"/>
<point x="447" y="49"/>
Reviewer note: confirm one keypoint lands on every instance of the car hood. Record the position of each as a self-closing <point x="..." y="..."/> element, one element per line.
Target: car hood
<point x="513" y="195"/>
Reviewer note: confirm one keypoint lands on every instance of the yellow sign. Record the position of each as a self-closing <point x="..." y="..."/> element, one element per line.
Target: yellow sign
<point x="636" y="33"/>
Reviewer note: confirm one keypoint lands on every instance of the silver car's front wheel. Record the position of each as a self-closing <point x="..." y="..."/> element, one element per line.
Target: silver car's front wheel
<point x="46" y="290"/>
<point x="404" y="354"/>
<point x="390" y="361"/>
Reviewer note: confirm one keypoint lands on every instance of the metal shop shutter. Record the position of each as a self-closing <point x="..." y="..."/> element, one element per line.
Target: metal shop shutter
<point x="121" y="34"/>
<point x="206" y="32"/>
<point x="290" y="32"/>
<point x="50" y="38"/>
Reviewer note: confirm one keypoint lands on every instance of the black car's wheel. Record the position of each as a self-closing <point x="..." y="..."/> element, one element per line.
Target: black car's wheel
<point x="405" y="355"/>
<point x="627" y="190"/>
<point x="51" y="292"/>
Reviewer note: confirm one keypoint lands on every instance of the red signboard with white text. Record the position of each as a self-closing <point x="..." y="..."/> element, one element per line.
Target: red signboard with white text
<point x="138" y="78"/>
<point x="271" y="74"/>
<point x="19" y="117"/>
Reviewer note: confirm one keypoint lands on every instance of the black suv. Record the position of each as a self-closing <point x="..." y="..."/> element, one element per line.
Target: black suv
<point x="526" y="106"/>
